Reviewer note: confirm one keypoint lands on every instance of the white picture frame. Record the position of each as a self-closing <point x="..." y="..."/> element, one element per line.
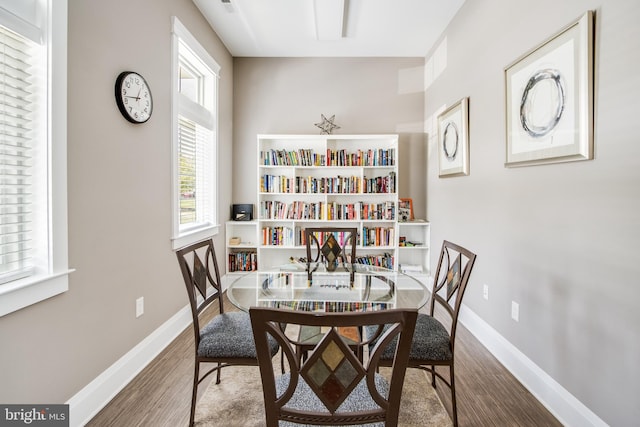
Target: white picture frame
<point x="453" y="140"/>
<point x="549" y="99"/>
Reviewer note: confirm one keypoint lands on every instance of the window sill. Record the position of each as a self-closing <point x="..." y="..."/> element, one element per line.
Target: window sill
<point x="31" y="290"/>
<point x="194" y="236"/>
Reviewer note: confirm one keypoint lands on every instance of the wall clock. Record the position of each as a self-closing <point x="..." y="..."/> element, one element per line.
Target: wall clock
<point x="133" y="97"/>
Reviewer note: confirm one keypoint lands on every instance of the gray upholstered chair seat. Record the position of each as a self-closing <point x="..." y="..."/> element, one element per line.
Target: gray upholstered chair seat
<point x="430" y="341"/>
<point x="305" y="399"/>
<point x="229" y="335"/>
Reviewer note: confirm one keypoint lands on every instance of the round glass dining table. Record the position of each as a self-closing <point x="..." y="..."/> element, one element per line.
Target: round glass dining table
<point x="351" y="287"/>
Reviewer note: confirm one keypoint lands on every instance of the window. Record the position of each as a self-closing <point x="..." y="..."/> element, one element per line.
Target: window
<point x="195" y="100"/>
<point x="33" y="116"/>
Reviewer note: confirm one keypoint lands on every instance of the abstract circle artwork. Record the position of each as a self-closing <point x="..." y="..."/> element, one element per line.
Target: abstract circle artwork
<point x="450" y="141"/>
<point x="542" y="103"/>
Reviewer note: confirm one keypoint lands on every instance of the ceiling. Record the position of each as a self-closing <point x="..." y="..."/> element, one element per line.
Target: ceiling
<point x="329" y="28"/>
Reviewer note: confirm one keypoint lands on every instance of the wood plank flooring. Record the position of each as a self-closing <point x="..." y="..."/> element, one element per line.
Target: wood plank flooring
<point x="488" y="395"/>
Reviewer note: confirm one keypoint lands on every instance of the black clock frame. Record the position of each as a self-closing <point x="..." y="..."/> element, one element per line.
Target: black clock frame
<point x="118" y="95"/>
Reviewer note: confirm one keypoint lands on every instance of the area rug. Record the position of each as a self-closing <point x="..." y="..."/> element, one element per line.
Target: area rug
<point x="238" y="402"/>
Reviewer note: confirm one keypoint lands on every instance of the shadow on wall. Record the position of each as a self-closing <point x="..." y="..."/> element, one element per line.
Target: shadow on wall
<point x="412" y="171"/>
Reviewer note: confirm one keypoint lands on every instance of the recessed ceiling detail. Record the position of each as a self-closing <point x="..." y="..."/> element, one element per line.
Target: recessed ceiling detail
<point x="329" y="28"/>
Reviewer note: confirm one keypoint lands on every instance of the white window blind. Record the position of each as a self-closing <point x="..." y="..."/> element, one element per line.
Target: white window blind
<point x="17" y="111"/>
<point x="33" y="152"/>
<point x="195" y="156"/>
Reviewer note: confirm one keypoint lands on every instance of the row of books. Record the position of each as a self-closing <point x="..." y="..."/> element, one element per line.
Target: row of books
<point x="385" y="210"/>
<point x="274" y="209"/>
<point x="287" y="236"/>
<point x="278" y="236"/>
<point x="342" y="157"/>
<point x="277" y="184"/>
<point x="301" y="157"/>
<point x="327" y="185"/>
<point x="342" y="211"/>
<point x="243" y="261"/>
<point x="371" y="157"/>
<point x="332" y="211"/>
<point x="326" y="306"/>
<point x="378" y="236"/>
<point x="380" y="184"/>
<point x="385" y="260"/>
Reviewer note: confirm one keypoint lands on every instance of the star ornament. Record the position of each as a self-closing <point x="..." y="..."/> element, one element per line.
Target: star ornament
<point x="326" y="125"/>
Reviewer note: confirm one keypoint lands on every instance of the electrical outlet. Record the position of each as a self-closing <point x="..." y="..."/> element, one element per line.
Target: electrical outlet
<point x="515" y="311"/>
<point x="139" y="307"/>
<point x="485" y="291"/>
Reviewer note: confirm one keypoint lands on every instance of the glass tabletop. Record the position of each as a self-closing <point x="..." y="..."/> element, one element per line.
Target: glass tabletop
<point x="352" y="287"/>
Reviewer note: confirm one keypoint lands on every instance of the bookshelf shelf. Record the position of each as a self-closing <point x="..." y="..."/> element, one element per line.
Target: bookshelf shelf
<point x="413" y="249"/>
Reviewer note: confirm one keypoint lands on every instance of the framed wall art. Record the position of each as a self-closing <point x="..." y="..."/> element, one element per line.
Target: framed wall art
<point x="453" y="140"/>
<point x="405" y="210"/>
<point x="549" y="99"/>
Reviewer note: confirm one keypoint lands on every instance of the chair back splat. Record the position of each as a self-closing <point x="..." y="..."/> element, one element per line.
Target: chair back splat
<point x="197" y="263"/>
<point x="332" y="386"/>
<point x="331" y="244"/>
<point x="450" y="282"/>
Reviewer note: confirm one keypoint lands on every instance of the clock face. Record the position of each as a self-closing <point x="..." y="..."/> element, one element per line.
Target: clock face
<point x="133" y="97"/>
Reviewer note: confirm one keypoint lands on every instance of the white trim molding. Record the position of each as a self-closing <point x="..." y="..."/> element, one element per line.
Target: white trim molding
<point x="562" y="404"/>
<point x="85" y="404"/>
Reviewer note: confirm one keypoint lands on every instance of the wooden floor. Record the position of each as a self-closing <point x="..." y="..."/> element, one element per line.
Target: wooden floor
<point x="488" y="395"/>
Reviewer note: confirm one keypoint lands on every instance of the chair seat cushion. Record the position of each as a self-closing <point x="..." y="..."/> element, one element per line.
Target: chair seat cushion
<point x="229" y="335"/>
<point x="305" y="399"/>
<point x="430" y="341"/>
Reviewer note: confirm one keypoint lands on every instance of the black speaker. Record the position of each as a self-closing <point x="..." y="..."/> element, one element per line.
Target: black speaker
<point x="242" y="212"/>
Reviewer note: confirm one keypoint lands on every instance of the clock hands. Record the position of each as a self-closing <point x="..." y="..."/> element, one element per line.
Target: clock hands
<point x="137" y="98"/>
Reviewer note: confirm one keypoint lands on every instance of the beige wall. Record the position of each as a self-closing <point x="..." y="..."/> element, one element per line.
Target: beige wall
<point x="561" y="240"/>
<point x="119" y="203"/>
<point x="367" y="95"/>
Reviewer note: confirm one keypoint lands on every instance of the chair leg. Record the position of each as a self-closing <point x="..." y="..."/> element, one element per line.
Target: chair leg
<point x="454" y="409"/>
<point x="194" y="393"/>
<point x="218" y="374"/>
<point x="433" y="376"/>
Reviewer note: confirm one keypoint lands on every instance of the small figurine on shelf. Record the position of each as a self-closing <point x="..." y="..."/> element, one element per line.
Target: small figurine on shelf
<point x="326" y="125"/>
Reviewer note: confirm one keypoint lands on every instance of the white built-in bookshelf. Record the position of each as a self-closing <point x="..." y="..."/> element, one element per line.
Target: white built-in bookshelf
<point x="326" y="180"/>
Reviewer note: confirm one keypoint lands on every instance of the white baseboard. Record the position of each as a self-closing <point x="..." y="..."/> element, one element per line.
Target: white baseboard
<point x="85" y="404"/>
<point x="562" y="404"/>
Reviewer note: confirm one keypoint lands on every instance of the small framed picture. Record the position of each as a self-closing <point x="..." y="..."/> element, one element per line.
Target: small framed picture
<point x="453" y="140"/>
<point x="405" y="210"/>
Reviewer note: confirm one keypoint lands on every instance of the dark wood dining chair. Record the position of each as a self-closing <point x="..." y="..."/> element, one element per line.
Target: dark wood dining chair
<point x="332" y="386"/>
<point x="434" y="341"/>
<point x="227" y="338"/>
